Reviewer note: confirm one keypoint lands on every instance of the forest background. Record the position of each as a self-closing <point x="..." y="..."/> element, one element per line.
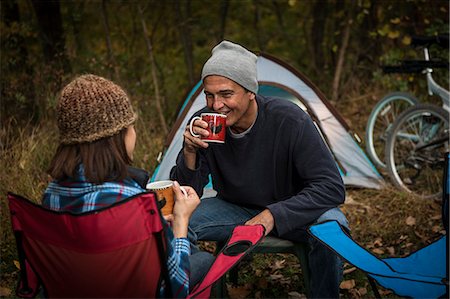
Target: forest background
<point x="156" y="49"/>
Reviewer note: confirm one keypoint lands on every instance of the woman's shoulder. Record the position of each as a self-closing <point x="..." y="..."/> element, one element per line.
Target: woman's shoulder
<point x="139" y="175"/>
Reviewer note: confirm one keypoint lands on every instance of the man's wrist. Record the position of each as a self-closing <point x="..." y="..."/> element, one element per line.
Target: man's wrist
<point x="190" y="158"/>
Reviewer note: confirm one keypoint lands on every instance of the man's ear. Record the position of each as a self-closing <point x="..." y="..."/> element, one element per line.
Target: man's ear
<point x="252" y="96"/>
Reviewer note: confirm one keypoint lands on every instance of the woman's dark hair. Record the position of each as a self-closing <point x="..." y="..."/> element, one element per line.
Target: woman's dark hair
<point x="104" y="160"/>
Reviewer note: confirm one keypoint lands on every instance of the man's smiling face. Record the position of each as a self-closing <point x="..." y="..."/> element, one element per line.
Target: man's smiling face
<point x="226" y="97"/>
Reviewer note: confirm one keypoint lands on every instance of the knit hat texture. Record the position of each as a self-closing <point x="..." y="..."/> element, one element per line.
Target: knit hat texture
<point x="234" y="62"/>
<point x="90" y="108"/>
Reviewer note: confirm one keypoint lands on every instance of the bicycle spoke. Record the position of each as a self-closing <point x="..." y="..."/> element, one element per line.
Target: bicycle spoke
<point x="380" y="122"/>
<point x="418" y="143"/>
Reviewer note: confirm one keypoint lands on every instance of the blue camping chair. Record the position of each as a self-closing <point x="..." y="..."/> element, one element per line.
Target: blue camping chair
<point x="423" y="274"/>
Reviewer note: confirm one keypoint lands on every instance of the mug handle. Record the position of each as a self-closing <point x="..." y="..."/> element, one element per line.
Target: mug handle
<point x="190" y="128"/>
<point x="184" y="191"/>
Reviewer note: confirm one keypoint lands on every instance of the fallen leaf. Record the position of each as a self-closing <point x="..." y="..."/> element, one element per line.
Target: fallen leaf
<point x="422" y="237"/>
<point x="391" y="250"/>
<point x="354" y="293"/>
<point x="347" y="271"/>
<point x="262" y="283"/>
<point x="239" y="292"/>
<point x="347" y="284"/>
<point x="296" y="295"/>
<point x="5" y="292"/>
<point x="362" y="291"/>
<point x="279" y="264"/>
<point x="275" y="276"/>
<point x="378" y="251"/>
<point x="350" y="201"/>
<point x="384" y="292"/>
<point x="410" y="221"/>
<point x="17" y="264"/>
<point x="436" y="217"/>
<point x="436" y="228"/>
<point x="378" y="242"/>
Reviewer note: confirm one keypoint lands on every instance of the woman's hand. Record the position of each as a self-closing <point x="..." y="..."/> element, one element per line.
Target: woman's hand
<point x="168" y="218"/>
<point x="183" y="209"/>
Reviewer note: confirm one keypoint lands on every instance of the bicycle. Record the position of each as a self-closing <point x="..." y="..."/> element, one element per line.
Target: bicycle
<point x="386" y="111"/>
<point x="419" y="138"/>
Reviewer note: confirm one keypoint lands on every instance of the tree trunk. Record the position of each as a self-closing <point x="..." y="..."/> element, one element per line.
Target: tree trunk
<point x="370" y="48"/>
<point x="153" y="70"/>
<point x="224" y="5"/>
<point x="341" y="58"/>
<point x="112" y="65"/>
<point x="319" y="13"/>
<point x="256" y="20"/>
<point x="18" y="100"/>
<point x="184" y="29"/>
<point x="279" y="15"/>
<point x="49" y="20"/>
<point x="76" y="10"/>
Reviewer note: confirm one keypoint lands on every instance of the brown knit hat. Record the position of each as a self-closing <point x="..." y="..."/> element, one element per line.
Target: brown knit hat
<point x="91" y="107"/>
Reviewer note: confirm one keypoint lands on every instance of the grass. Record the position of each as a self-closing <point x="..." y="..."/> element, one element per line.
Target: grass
<point x="387" y="222"/>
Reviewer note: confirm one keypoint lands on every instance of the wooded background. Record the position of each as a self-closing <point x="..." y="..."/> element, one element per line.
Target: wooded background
<point x="155" y="49"/>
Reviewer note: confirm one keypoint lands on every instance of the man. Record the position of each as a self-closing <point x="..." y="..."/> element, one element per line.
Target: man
<point x="273" y="169"/>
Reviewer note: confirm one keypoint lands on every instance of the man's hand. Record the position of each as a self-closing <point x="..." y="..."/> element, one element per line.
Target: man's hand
<point x="192" y="144"/>
<point x="265" y="218"/>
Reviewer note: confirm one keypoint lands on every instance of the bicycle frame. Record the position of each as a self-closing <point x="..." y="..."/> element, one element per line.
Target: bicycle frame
<point x="433" y="87"/>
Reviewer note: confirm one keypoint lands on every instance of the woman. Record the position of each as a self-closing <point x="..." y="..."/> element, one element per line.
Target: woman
<point x="91" y="168"/>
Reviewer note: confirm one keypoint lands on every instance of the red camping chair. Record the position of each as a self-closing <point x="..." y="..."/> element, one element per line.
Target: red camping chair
<point x="116" y="252"/>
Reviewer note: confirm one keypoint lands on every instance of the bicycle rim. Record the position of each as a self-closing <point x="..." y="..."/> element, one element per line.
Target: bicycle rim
<point x="416" y="148"/>
<point x="380" y="122"/>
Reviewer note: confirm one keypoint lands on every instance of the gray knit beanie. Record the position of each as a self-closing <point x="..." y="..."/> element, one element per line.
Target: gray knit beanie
<point x="234" y="62"/>
<point x="91" y="107"/>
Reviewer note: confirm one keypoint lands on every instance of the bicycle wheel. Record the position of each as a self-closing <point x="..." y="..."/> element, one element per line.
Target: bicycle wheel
<point x="415" y="150"/>
<point x="380" y="122"/>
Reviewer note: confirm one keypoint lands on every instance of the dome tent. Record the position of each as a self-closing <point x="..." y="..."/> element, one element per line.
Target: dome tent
<point x="278" y="79"/>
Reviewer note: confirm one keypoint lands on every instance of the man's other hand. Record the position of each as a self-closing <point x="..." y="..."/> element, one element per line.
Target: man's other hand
<point x="265" y="218"/>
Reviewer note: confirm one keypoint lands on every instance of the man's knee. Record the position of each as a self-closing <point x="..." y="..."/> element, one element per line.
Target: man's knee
<point x="334" y="214"/>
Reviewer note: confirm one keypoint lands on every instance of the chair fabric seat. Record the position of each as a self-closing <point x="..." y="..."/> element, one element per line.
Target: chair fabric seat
<point x="419" y="275"/>
<point x="115" y="252"/>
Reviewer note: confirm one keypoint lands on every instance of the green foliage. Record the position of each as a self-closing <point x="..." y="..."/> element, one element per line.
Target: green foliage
<point x="379" y="33"/>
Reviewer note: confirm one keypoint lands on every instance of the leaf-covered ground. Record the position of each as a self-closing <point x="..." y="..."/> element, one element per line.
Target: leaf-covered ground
<point x="386" y="222"/>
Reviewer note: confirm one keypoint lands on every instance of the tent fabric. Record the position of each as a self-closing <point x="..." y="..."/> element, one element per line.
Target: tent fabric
<point x="278" y="79"/>
<point x="419" y="275"/>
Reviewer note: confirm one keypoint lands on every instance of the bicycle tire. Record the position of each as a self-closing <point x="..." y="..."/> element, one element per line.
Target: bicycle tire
<point x="380" y="121"/>
<point x="415" y="150"/>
